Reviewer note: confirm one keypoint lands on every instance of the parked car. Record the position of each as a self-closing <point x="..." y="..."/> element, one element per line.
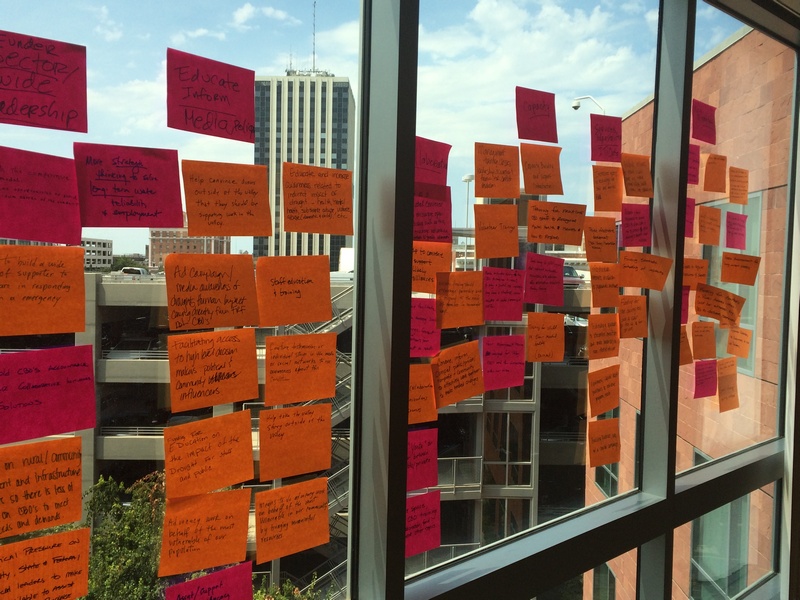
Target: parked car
<point x="572" y="279"/>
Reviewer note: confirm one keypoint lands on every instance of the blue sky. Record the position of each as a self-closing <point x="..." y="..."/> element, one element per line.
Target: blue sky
<point x="472" y="55"/>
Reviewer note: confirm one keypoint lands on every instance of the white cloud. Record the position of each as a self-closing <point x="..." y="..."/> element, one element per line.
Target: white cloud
<point x="246" y="13"/>
<point x="242" y="15"/>
<point x="178" y="39"/>
<point x="279" y="15"/>
<point x="106" y="27"/>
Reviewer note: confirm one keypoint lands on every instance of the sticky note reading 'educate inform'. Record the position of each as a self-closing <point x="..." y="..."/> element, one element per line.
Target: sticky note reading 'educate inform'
<point x="426" y="337"/>
<point x="281" y="431"/>
<point x="210" y="97"/>
<point x="299" y="368"/>
<point x="544" y="337"/>
<point x="603" y="387"/>
<point x="503" y="291"/>
<point x="496" y="231"/>
<point x="606" y="137"/>
<point x="503" y="361"/>
<point x="457" y="373"/>
<point x="293" y="289"/>
<point x="423" y="522"/>
<point x="607" y="183"/>
<point x="421" y="398"/>
<point x="317" y="199"/>
<point x="459" y="299"/>
<point x="431" y="161"/>
<point x="603" y="444"/>
<point x="231" y="584"/>
<point x="541" y="169"/>
<point x="422" y="460"/>
<point x="555" y="222"/>
<point x="544" y="279"/>
<point x="536" y="115"/>
<point x="38" y="197"/>
<point x="496" y="171"/>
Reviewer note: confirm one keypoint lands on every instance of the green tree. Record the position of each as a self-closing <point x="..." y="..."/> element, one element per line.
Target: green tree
<point x="123" y="261"/>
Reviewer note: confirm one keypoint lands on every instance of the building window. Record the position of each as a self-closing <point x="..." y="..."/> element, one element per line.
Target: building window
<point x="604" y="583"/>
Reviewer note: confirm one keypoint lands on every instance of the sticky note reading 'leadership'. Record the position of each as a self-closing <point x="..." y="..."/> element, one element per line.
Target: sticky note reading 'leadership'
<point x="431" y="161"/>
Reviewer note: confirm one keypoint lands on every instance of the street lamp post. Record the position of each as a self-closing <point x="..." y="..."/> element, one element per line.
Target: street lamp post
<point x="469" y="178"/>
<point x="576" y="103"/>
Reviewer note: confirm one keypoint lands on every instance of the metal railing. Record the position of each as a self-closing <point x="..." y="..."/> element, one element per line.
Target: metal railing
<point x="461" y="473"/>
<point x="149" y="430"/>
<point x="333" y="583"/>
<point x="338" y="490"/>
<point x="135" y="354"/>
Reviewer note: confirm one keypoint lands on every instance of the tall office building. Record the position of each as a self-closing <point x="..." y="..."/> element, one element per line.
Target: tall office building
<point x="304" y="117"/>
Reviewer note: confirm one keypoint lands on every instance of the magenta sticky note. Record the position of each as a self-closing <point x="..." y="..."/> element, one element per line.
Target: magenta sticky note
<point x="635" y="225"/>
<point x="693" y="177"/>
<point x="536" y="115"/>
<point x="705" y="378"/>
<point x="688" y="230"/>
<point x="685" y="304"/>
<point x="425" y="337"/>
<point x="503" y="293"/>
<point x="46" y="392"/>
<point x="544" y="279"/>
<point x="606" y="138"/>
<point x="233" y="583"/>
<point x="210" y="97"/>
<point x="423" y="523"/>
<point x="433" y="219"/>
<point x="39" y="197"/>
<point x="503" y="361"/>
<point x="423" y="463"/>
<point x="735" y="231"/>
<point x="704" y="126"/>
<point x="128" y="186"/>
<point x="431" y="159"/>
<point x="42" y="83"/>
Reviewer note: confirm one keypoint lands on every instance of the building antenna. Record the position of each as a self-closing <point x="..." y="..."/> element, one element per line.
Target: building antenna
<point x="314" y="39"/>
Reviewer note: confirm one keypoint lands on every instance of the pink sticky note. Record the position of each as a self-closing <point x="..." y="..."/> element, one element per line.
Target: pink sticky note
<point x="503" y="292"/>
<point x="423" y="523"/>
<point x="606" y="138"/>
<point x="536" y="115"/>
<point x="431" y="161"/>
<point x="705" y="378"/>
<point x="503" y="361"/>
<point x="233" y="583"/>
<point x="431" y="190"/>
<point x="39" y="197"/>
<point x="42" y="83"/>
<point x="735" y="231"/>
<point x="635" y="225"/>
<point x="46" y="392"/>
<point x="425" y="337"/>
<point x="704" y="127"/>
<point x="127" y="186"/>
<point x="433" y="219"/>
<point x="685" y="304"/>
<point x="693" y="177"/>
<point x="423" y="464"/>
<point x="688" y="230"/>
<point x="544" y="279"/>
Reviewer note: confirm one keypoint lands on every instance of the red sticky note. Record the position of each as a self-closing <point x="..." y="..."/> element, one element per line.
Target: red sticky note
<point x="738" y="185"/>
<point x="39" y="197"/>
<point x="422" y="464"/>
<point x="536" y="115"/>
<point x="503" y="361"/>
<point x="431" y="161"/>
<point x="544" y="279"/>
<point x="232" y="583"/>
<point x="423" y="523"/>
<point x="705" y="378"/>
<point x="688" y="230"/>
<point x="43" y="83"/>
<point x="704" y="127"/>
<point x="735" y="230"/>
<point x="636" y="225"/>
<point x="46" y="392"/>
<point x="693" y="176"/>
<point x="433" y="218"/>
<point x="425" y="336"/>
<point x="503" y="291"/>
<point x="209" y="97"/>
<point x="606" y="138"/>
<point x="127" y="186"/>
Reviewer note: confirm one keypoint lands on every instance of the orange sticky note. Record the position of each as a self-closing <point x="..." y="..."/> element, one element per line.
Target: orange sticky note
<point x="636" y="173"/>
<point x="695" y="270"/>
<point x="291" y="518"/>
<point x="600" y="239"/>
<point x="643" y="270"/>
<point x="603" y="336"/>
<point x="210" y="290"/>
<point x="704" y="343"/>
<point x="603" y="444"/>
<point x="50" y="566"/>
<point x="208" y="455"/>
<point x="457" y="374"/>
<point x="541" y="169"/>
<point x="496" y="231"/>
<point x="739" y="185"/>
<point x="555" y="222"/>
<point x="205" y="531"/>
<point x="36" y="489"/>
<point x="212" y="368"/>
<point x="603" y="390"/>
<point x="632" y="316"/>
<point x="709" y="219"/>
<point x="283" y="431"/>
<point x="459" y="299"/>
<point x="719" y="304"/>
<point x="429" y="258"/>
<point x="686" y="357"/>
<point x="421" y="398"/>
<point x="739" y="268"/>
<point x="727" y="384"/>
<point x="739" y="342"/>
<point x="715" y="173"/>
<point x="317" y="199"/>
<point x="545" y="337"/>
<point x="41" y="290"/>
<point x="293" y="289"/>
<point x="607" y="183"/>
<point x="496" y="171"/>
<point x="226" y="198"/>
<point x="299" y="368"/>
<point x="605" y="284"/>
